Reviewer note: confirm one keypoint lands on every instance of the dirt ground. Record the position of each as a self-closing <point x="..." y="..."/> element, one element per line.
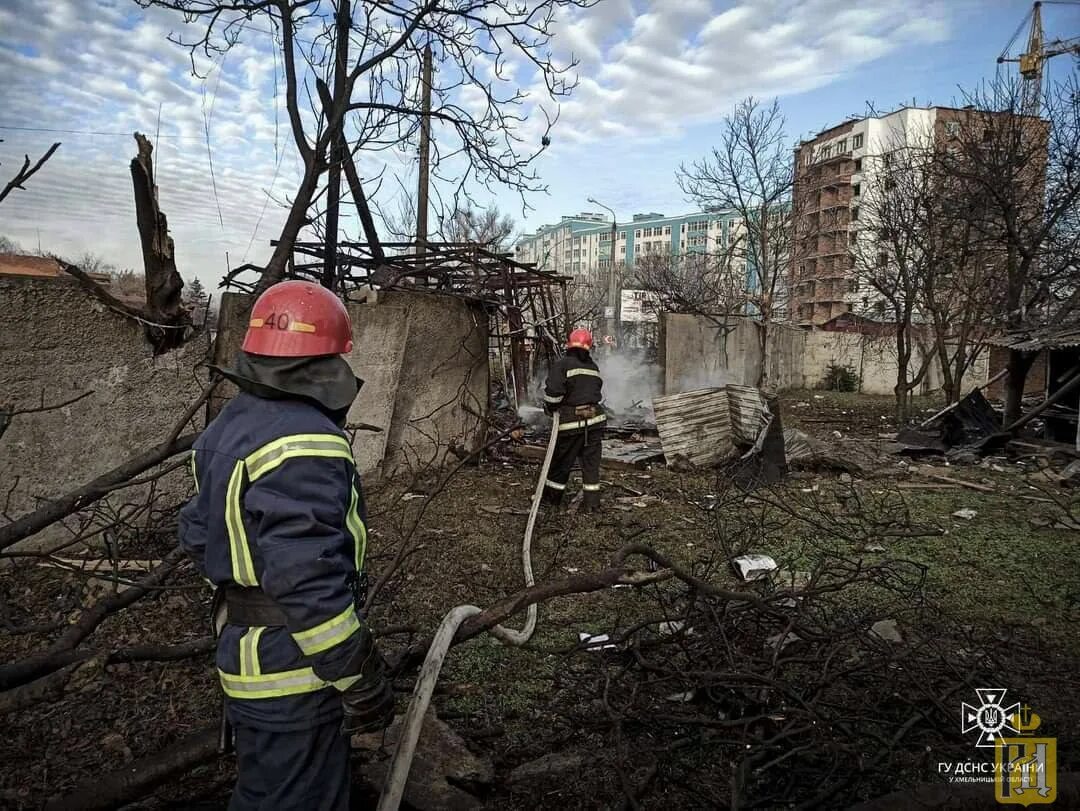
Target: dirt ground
<point x="1010" y="572"/>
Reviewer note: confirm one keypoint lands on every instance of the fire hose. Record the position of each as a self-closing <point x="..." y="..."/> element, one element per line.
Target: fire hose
<point x="402" y="759"/>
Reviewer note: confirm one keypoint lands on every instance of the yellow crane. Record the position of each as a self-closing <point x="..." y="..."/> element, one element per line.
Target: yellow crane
<point x="1038" y="51"/>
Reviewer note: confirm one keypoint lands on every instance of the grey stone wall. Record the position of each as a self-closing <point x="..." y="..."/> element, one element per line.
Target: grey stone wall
<point x="423" y="359"/>
<point x="56" y="343"/>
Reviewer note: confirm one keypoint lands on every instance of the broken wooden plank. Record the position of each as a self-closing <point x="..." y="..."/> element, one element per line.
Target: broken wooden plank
<point x="982" y="488"/>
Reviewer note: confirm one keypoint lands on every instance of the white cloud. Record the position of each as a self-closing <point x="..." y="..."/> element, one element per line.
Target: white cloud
<point x="647" y="69"/>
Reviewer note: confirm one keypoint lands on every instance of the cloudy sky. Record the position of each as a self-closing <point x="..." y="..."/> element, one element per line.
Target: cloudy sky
<point x="655" y="76"/>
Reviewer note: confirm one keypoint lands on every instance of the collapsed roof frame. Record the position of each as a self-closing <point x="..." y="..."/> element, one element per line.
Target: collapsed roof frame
<point x="532" y="303"/>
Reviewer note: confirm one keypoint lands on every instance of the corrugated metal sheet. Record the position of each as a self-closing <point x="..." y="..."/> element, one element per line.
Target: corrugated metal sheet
<point x="1048" y="337"/>
<point x="696" y="425"/>
<point x="748" y="413"/>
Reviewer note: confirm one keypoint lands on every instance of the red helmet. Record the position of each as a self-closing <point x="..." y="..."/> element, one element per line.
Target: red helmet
<point x="580" y="339"/>
<point x="298" y="319"/>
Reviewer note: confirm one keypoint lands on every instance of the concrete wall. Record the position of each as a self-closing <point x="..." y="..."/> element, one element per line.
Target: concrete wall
<point x="56" y="343"/>
<point x="697" y="353"/>
<point x="423" y="359"/>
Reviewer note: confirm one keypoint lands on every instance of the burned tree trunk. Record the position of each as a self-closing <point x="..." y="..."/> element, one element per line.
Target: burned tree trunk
<point x="163" y="283"/>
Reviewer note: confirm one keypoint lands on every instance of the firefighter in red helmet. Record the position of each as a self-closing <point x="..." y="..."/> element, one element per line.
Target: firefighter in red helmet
<point x="277" y="525"/>
<point x="574" y="388"/>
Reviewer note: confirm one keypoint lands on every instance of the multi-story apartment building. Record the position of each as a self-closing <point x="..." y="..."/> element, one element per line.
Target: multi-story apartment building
<point x="834" y="172"/>
<point x="580" y="245"/>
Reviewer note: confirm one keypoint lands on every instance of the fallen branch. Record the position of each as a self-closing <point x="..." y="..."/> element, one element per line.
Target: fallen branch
<point x="982" y="488"/>
<point x="34" y="522"/>
<point x="49" y="688"/>
<point x="62" y="651"/>
<point x="137" y="778"/>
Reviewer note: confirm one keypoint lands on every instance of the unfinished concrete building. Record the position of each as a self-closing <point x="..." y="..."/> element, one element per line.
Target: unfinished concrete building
<point x="836" y="171"/>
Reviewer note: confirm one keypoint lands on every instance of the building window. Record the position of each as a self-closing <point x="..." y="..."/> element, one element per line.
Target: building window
<point x="841" y="146"/>
<point x="856" y="141"/>
<point x="637" y="234"/>
<point x="826" y="151"/>
<point x="882" y="259"/>
<point x="622" y="249"/>
<point x="854" y="213"/>
<point x="952" y="129"/>
<point x="858" y="164"/>
<point x="667" y="230"/>
<point x="857" y="189"/>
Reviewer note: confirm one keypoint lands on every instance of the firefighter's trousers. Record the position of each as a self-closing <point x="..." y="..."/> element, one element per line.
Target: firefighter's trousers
<point x="292" y="771"/>
<point x="586" y="445"/>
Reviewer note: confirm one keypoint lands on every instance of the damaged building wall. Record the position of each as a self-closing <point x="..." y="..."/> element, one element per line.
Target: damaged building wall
<point x="700" y="352"/>
<point x="423" y="360"/>
<point x="56" y="343"/>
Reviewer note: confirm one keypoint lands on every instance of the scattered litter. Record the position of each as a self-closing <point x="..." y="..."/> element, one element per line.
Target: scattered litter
<point x="412" y="496"/>
<point x="673" y="627"/>
<point x="837" y="434"/>
<point x="682" y="697"/>
<point x="782" y="640"/>
<point x="787" y="602"/>
<point x="875" y="547"/>
<point x="813" y="489"/>
<point x="596" y="641"/>
<point x="819" y="396"/>
<point x="886" y="630"/>
<point x="966" y="513"/>
<point x="753" y="567"/>
<point x="502" y="510"/>
<point x="485" y="567"/>
<point x="845" y="478"/>
<point x="571" y="569"/>
<point x="790" y="579"/>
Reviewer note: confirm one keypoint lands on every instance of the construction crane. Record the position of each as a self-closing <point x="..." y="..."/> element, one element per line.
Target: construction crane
<point x="1038" y="51"/>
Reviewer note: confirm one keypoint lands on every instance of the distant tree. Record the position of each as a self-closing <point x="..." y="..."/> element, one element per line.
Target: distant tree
<point x="487" y="227"/>
<point x="196" y="298"/>
<point x="127" y="283"/>
<point x="93" y="263"/>
<point x="8" y="245"/>
<point x="1019" y="168"/>
<point x="751" y="173"/>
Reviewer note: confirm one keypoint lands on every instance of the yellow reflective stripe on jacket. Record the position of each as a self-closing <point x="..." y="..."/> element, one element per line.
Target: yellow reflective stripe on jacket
<point x="576" y="372"/>
<point x="568" y="426"/>
<point x="327" y="634"/>
<point x="271" y="685"/>
<point x="194" y="472"/>
<point x="243" y="569"/>
<point x="249" y="651"/>
<point x="356" y="528"/>
<point x="259" y="463"/>
<point x="590" y="488"/>
<point x="275" y="685"/>
<point x="272" y="454"/>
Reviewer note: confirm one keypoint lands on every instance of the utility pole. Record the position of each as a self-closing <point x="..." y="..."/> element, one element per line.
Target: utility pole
<point x="337" y="144"/>
<point x="612" y="314"/>
<point x="425" y="157"/>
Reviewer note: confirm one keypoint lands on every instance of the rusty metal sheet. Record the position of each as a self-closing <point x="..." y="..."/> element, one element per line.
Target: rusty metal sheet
<point x="748" y="413"/>
<point x="695" y="425"/>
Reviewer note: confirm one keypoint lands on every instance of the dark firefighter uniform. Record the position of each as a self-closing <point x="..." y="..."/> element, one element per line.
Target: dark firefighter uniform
<point x="574" y="388"/>
<point x="277" y="525"/>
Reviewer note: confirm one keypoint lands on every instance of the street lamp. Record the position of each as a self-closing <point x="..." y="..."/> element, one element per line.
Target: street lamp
<point x="612" y="314"/>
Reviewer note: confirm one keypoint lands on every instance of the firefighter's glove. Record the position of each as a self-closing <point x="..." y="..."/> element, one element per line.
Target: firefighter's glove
<point x="369" y="701"/>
